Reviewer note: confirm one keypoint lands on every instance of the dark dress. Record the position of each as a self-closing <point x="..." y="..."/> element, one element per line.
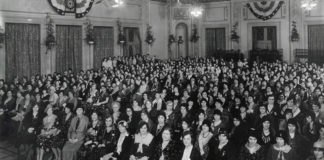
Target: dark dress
<point x="26" y="140"/>
<point x="63" y="125"/>
<point x="170" y="152"/>
<point x="125" y="149"/>
<point x="109" y="140"/>
<point x="245" y="154"/>
<point x="228" y="151"/>
<point x="89" y="149"/>
<point x="273" y="154"/>
<point x="194" y="155"/>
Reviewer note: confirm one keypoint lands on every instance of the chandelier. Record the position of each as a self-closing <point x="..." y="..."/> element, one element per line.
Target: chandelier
<point x="117" y="3"/>
<point x="195" y="10"/>
<point x="309" y="4"/>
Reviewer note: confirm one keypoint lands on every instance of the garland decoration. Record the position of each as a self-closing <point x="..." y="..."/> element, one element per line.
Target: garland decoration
<point x="79" y="7"/>
<point x="264" y="10"/>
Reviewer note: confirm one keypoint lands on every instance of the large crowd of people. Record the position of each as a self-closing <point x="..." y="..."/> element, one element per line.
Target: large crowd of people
<point x="143" y="108"/>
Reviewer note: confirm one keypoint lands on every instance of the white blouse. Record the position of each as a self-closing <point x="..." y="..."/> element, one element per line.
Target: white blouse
<point x="187" y="153"/>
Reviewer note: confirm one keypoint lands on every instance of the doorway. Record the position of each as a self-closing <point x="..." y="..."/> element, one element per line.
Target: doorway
<point x="182" y="33"/>
<point x="133" y="44"/>
<point x="264" y="38"/>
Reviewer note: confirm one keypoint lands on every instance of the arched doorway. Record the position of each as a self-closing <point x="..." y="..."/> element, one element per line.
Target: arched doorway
<point x="182" y="49"/>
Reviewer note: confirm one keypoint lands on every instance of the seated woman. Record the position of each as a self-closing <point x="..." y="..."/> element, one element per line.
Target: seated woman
<point x="203" y="139"/>
<point x="76" y="135"/>
<point x="281" y="150"/>
<point x="221" y="148"/>
<point x="89" y="148"/>
<point x="30" y="129"/>
<point x="48" y="132"/>
<point x="165" y="149"/>
<point x="318" y="151"/>
<point x="252" y="150"/>
<point x="122" y="149"/>
<point x="189" y="151"/>
<point x="108" y="137"/>
<point x="141" y="148"/>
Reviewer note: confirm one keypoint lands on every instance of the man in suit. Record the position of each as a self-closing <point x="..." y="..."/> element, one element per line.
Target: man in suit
<point x="76" y="135"/>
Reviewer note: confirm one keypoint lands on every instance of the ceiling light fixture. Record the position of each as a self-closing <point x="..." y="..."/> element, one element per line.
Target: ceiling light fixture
<point x="309" y="4"/>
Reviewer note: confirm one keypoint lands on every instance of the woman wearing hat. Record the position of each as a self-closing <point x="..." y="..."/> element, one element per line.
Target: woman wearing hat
<point x="124" y="141"/>
<point x="281" y="150"/>
<point x="252" y="150"/>
<point x="266" y="133"/>
<point x="221" y="148"/>
<point x="166" y="148"/>
<point x="203" y="139"/>
<point x="318" y="151"/>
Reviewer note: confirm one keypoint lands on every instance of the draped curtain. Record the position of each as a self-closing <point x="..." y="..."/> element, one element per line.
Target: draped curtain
<point x="315" y="43"/>
<point x="215" y="40"/>
<point x="69" y="48"/>
<point x="133" y="42"/>
<point x="22" y="45"/>
<point x="104" y="44"/>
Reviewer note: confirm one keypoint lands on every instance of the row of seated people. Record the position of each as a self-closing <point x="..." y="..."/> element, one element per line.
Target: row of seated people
<point x="201" y="108"/>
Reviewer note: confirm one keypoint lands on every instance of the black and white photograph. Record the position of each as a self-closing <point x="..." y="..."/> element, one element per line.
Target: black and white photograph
<point x="161" y="79"/>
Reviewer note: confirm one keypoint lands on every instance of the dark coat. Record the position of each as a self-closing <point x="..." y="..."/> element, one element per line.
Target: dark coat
<point x="170" y="152"/>
<point x="195" y="154"/>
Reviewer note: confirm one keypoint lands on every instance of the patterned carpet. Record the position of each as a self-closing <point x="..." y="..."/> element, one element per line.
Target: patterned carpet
<point x="7" y="151"/>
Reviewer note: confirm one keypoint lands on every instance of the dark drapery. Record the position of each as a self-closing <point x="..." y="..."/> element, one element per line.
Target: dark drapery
<point x="315" y="43"/>
<point x="215" y="40"/>
<point x="104" y="45"/>
<point x="133" y="41"/>
<point x="68" y="48"/>
<point x="22" y="45"/>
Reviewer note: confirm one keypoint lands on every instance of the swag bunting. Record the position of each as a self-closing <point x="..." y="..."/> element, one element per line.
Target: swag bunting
<point x="264" y="10"/>
<point x="79" y="7"/>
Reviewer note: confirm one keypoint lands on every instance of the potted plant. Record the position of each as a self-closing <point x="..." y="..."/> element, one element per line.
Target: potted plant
<point x="2" y="37"/>
<point x="149" y="35"/>
<point x="294" y="34"/>
<point x="194" y="37"/>
<point x="234" y="36"/>
<point x="171" y="39"/>
<point x="90" y="38"/>
<point x="121" y="36"/>
<point x="50" y="39"/>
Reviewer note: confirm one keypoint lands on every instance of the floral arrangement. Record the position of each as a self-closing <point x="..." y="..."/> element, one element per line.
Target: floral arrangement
<point x="90" y="38"/>
<point x="50" y="39"/>
<point x="180" y="41"/>
<point x="194" y="37"/>
<point x="171" y="39"/>
<point x="149" y="35"/>
<point x="294" y="34"/>
<point x="121" y="36"/>
<point x="234" y="36"/>
<point x="2" y="37"/>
